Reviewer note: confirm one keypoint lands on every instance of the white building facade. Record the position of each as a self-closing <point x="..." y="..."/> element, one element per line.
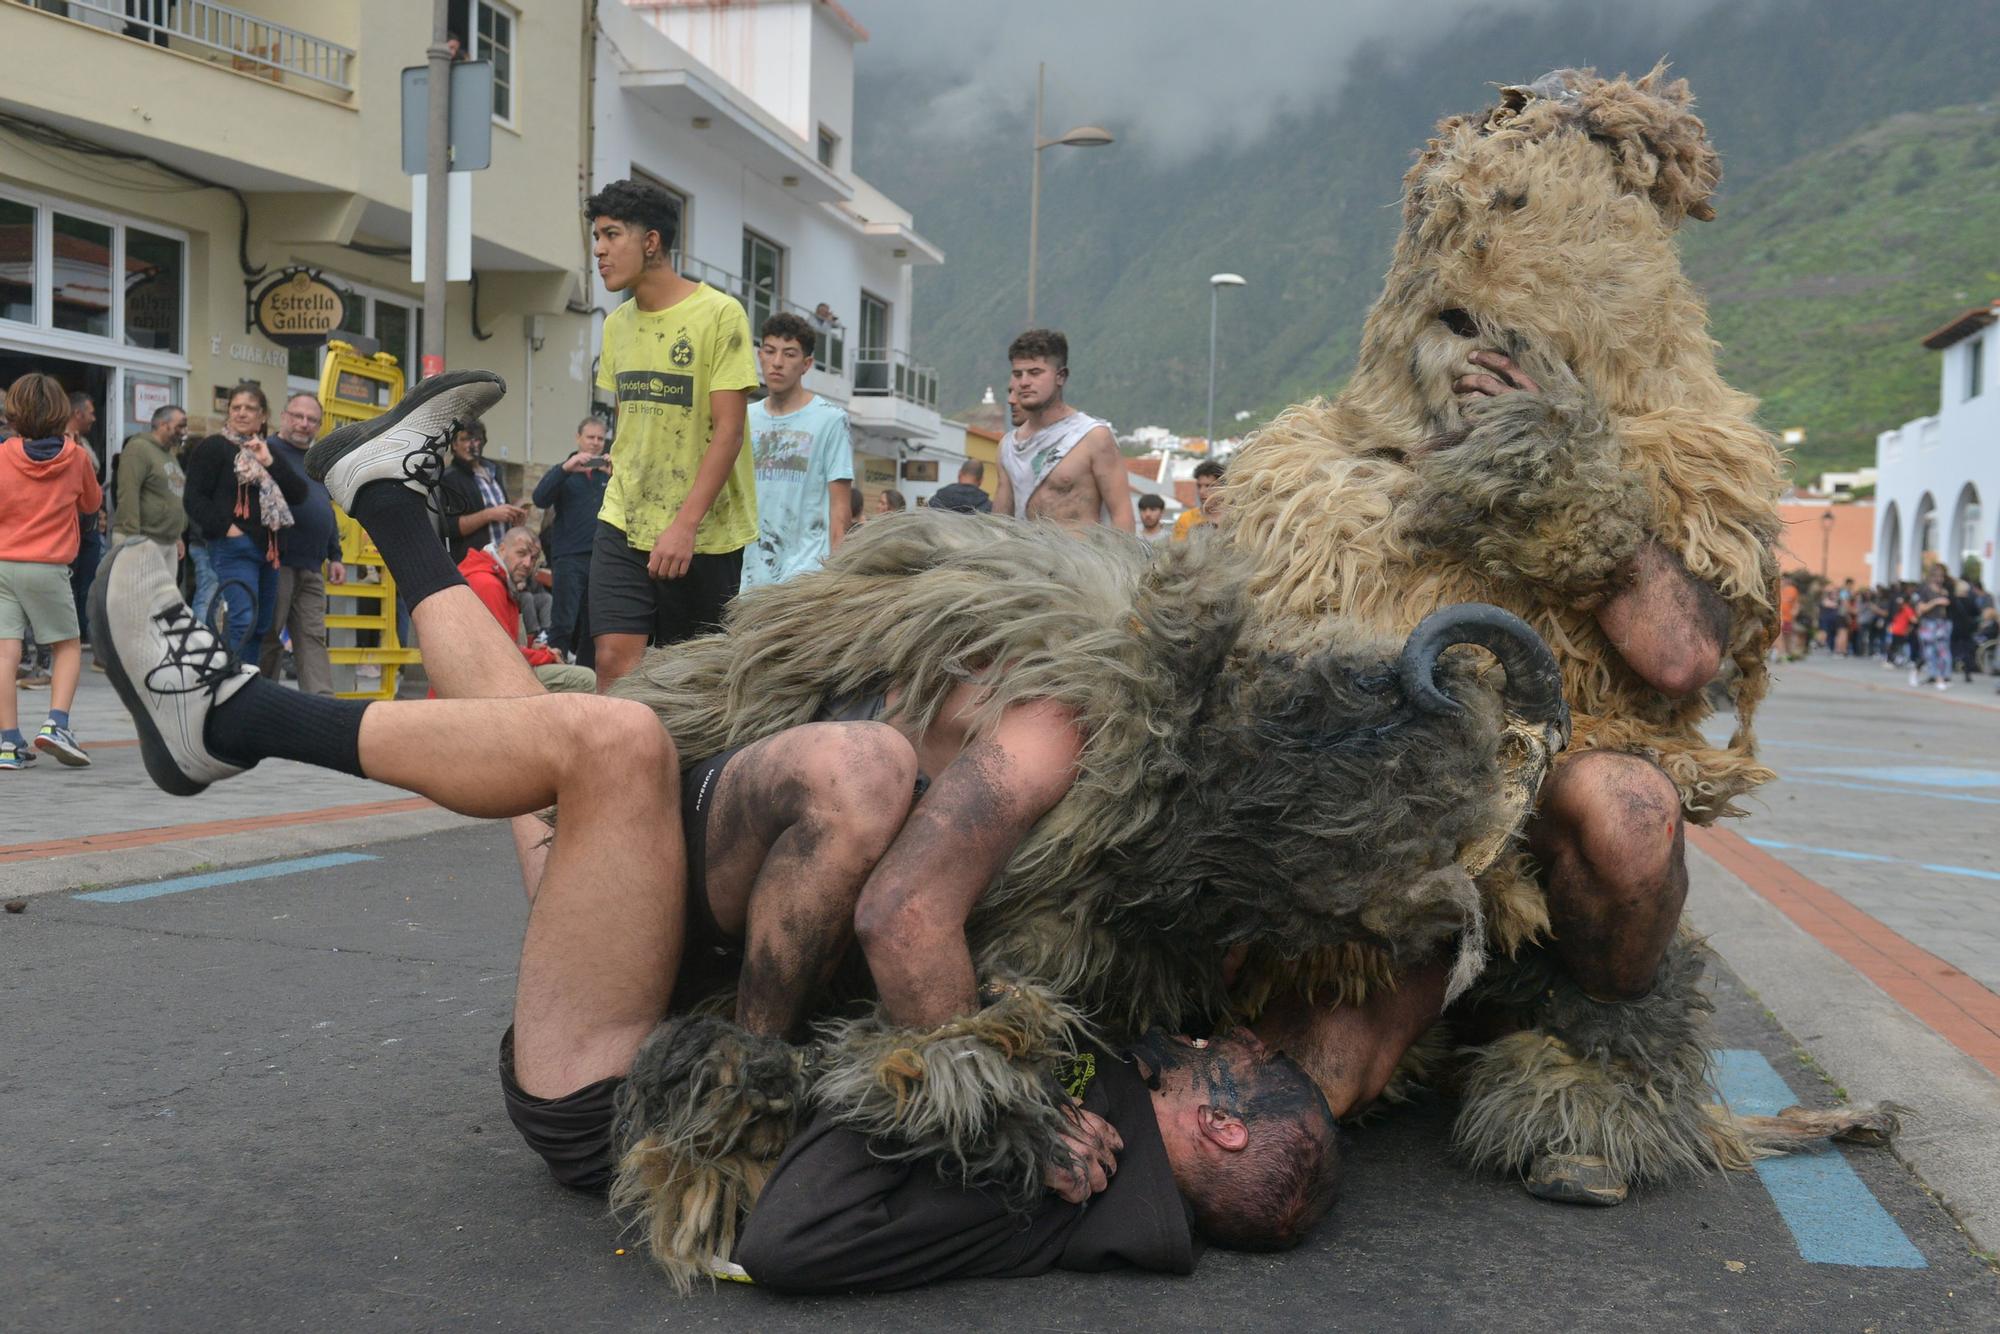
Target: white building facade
<point x="743" y="111"/>
<point x="1937" y="477"/>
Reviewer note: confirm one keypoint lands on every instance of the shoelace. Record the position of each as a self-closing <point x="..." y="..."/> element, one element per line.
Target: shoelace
<point x="425" y="467"/>
<point x="193" y="649"/>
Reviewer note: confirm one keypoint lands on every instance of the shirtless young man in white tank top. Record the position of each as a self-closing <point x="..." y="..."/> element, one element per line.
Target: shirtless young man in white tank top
<point x="1057" y="463"/>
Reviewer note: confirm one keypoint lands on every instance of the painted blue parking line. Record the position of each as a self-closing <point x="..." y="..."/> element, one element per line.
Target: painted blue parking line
<point x="1917" y="775"/>
<point x="180" y="884"/>
<point x="1926" y="794"/>
<point x="1941" y="868"/>
<point x="1832" y="1216"/>
<point x="1841" y="853"/>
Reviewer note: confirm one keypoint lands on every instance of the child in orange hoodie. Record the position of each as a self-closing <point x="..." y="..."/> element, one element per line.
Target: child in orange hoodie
<point x="46" y="483"/>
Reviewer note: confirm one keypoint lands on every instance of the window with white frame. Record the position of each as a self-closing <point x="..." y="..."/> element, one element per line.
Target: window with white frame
<point x="1975" y="367"/>
<point x="57" y="264"/>
<point x="829" y="147"/>
<point x="485" y="31"/>
<point x="677" y="201"/>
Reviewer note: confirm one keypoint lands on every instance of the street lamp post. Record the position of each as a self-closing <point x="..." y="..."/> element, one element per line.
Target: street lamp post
<point x="1083" y="136"/>
<point x="1825" y="544"/>
<point x="1216" y="283"/>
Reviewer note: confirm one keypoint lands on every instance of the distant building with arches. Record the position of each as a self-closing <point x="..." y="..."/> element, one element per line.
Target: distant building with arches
<point x="1937" y="478"/>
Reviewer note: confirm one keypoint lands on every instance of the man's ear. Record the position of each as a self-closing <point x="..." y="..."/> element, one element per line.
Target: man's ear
<point x="1223" y="1129"/>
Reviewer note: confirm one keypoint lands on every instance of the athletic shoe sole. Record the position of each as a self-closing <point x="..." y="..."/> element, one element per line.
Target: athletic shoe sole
<point x="160" y="766"/>
<point x="328" y="451"/>
<point x="73" y="756"/>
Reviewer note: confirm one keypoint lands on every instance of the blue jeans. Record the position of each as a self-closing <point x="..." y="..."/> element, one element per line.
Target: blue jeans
<point x="83" y="570"/>
<point x="568" y="627"/>
<point x="248" y="586"/>
<point x="204" y="580"/>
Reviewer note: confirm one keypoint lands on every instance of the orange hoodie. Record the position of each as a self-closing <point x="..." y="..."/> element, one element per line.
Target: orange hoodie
<point x="40" y="503"/>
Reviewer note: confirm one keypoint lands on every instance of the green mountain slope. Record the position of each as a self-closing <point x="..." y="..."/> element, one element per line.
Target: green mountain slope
<point x="1821" y="277"/>
<point x="1308" y="215"/>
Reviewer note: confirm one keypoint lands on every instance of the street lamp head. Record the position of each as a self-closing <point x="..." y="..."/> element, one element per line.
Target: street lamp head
<point x="1083" y="136"/>
<point x="1226" y="280"/>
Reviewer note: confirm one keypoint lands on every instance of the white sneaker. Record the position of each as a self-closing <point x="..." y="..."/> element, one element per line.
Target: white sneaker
<point x="410" y="443"/>
<point x="168" y="668"/>
<point x="1915" y="679"/>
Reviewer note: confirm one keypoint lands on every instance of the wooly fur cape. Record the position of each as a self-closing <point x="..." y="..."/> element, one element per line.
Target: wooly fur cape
<point x="1294" y="799"/>
<point x="1542" y="228"/>
<point x="1336" y="793"/>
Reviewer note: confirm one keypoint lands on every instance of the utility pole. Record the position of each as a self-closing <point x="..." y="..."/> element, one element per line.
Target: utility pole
<point x="1035" y="198"/>
<point x="437" y="183"/>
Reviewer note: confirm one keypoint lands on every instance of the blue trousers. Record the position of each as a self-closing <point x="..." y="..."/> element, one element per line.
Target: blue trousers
<point x="83" y="570"/>
<point x="248" y="587"/>
<point x="569" y="626"/>
<point x="204" y="580"/>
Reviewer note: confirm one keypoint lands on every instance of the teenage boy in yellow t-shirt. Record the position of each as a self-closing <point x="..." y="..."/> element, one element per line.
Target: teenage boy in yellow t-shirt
<point x="682" y="503"/>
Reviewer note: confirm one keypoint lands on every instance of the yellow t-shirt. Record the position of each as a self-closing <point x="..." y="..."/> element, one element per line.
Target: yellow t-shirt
<point x="663" y="365"/>
<point x="1190" y="520"/>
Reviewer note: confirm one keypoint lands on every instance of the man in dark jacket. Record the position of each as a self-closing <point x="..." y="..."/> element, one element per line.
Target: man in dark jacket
<point x="311" y="542"/>
<point x="574" y="488"/>
<point x="1222" y="1140"/>
<point x="476" y="512"/>
<point x="965" y="495"/>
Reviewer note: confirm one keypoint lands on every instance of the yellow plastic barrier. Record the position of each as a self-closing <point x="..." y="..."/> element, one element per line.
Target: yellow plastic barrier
<point x="354" y="388"/>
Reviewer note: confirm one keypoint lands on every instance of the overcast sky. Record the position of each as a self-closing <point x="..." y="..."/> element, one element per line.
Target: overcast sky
<point x="1170" y="77"/>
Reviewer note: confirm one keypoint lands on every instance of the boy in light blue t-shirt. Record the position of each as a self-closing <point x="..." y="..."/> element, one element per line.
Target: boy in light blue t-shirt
<point x="804" y="459"/>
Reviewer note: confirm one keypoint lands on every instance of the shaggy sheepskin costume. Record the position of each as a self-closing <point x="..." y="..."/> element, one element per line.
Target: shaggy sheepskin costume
<point x="1544" y="229"/>
<point x="1346" y="788"/>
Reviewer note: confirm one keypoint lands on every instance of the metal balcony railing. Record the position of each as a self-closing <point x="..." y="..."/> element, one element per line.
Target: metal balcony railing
<point x="253" y="44"/>
<point x="831" y="353"/>
<point x="893" y="374"/>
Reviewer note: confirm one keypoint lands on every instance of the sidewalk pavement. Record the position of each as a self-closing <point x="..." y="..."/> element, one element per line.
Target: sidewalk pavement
<point x="63" y="828"/>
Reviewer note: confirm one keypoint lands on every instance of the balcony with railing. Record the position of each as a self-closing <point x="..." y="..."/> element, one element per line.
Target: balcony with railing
<point x="225" y="36"/>
<point x="830" y="354"/>
<point x="895" y="397"/>
<point x="879" y="373"/>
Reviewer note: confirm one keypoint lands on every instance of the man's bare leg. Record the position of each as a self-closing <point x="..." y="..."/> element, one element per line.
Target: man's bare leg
<point x="617" y="655"/>
<point x="1609" y="834"/>
<point x="799" y="820"/>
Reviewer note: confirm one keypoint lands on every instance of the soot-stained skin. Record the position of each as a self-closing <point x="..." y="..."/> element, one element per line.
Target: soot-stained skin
<point x="1613" y="847"/>
<point x="913" y="912"/>
<point x="1667" y="625"/>
<point x="798" y="823"/>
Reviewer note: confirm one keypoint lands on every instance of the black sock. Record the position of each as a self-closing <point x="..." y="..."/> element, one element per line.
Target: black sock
<point x="265" y="721"/>
<point x="397" y="518"/>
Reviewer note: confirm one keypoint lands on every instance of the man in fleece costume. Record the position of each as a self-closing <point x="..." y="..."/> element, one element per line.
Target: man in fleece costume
<point x="1536" y="421"/>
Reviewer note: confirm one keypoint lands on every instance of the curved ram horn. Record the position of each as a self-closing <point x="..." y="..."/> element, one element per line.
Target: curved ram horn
<point x="1534" y="680"/>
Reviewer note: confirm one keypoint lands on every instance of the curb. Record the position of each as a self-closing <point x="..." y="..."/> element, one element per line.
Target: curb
<point x="1865" y="1042"/>
<point x="124" y="866"/>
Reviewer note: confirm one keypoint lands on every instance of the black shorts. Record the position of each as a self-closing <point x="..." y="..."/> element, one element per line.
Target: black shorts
<point x="572" y="1133"/>
<point x="626" y="600"/>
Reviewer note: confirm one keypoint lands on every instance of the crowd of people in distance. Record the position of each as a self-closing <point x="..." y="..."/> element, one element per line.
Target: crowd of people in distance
<point x="1942" y="627"/>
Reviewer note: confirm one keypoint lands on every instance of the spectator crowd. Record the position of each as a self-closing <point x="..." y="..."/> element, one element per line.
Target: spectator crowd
<point x="1941" y="628"/>
<point x="640" y="536"/>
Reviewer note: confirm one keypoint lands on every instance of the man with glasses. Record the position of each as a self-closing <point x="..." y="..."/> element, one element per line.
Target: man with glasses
<point x="313" y="538"/>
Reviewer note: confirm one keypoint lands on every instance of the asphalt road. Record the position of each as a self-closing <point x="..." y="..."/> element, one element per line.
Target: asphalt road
<point x="271" y="1104"/>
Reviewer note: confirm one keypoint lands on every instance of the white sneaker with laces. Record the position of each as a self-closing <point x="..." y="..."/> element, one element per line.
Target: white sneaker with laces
<point x="410" y="443"/>
<point x="168" y="668"/>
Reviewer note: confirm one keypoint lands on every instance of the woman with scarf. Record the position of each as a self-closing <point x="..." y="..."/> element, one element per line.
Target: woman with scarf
<point x="238" y="496"/>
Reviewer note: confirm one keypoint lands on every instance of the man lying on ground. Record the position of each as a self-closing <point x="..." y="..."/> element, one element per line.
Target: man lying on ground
<point x="1224" y="1140"/>
<point x="789" y="827"/>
